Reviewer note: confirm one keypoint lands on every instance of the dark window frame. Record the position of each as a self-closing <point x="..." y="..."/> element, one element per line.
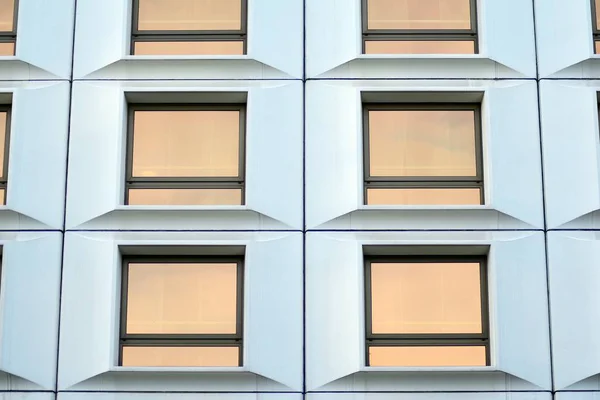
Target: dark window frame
<point x="238" y="182"/>
<point x="412" y="35"/>
<point x="595" y="28"/>
<point x="7" y="108"/>
<point x="423" y="182"/>
<point x="191" y="35"/>
<point x="422" y="340"/>
<point x="183" y="340"/>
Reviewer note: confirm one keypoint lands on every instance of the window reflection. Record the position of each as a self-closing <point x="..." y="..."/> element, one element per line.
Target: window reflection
<point x="184" y="197"/>
<point x="445" y="196"/>
<point x="138" y="356"/>
<point x="427" y="356"/>
<point x="190" y="15"/>
<point x="419" y="14"/>
<point x="188" y="48"/>
<point x="7" y="15"/>
<point x="419" y="47"/>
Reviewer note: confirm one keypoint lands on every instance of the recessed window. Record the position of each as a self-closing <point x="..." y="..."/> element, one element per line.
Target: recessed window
<point x="4" y="142"/>
<point x="189" y="27"/>
<point x="426" y="311"/>
<point x="423" y="154"/>
<point x="419" y="27"/>
<point x="181" y="312"/>
<point x="185" y="155"/>
<point x="596" y="24"/>
<point x="8" y="27"/>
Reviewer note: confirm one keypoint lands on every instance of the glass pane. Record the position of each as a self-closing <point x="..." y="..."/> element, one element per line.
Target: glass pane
<point x="427" y="356"/>
<point x="2" y="197"/>
<point x="422" y="143"/>
<point x="186" y="143"/>
<point x="188" y="48"/>
<point x="136" y="356"/>
<point x="7" y="15"/>
<point x="182" y="298"/>
<point x="185" y="197"/>
<point x="597" y="16"/>
<point x="425" y="298"/>
<point x="597" y="47"/>
<point x="424" y="196"/>
<point x="190" y="15"/>
<point x="419" y="14"/>
<point x="419" y="47"/>
<point x="3" y="116"/>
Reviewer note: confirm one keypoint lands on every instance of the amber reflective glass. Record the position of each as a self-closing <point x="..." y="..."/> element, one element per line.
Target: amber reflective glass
<point x="422" y="143"/>
<point x="182" y="298"/>
<point x="445" y="196"/>
<point x="190" y="15"/>
<point x="3" y="117"/>
<point x="7" y="49"/>
<point x="597" y="16"/>
<point x="186" y="143"/>
<point x="182" y="197"/>
<point x="419" y="14"/>
<point x="427" y="356"/>
<point x="188" y="48"/>
<point x="419" y="47"/>
<point x="597" y="46"/>
<point x="7" y="15"/>
<point x="425" y="298"/>
<point x="2" y="197"/>
<point x="137" y="356"/>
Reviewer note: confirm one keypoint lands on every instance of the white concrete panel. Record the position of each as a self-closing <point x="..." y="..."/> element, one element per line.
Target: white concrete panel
<point x="276" y="34"/>
<point x="513" y="151"/>
<point x="333" y="34"/>
<point x="38" y="152"/>
<point x="518" y="315"/>
<point x="518" y="277"/>
<point x="564" y="34"/>
<point x="91" y="287"/>
<point x="274" y="322"/>
<point x="88" y="313"/>
<point x="274" y="157"/>
<point x="27" y="396"/>
<point x="29" y="299"/>
<point x="274" y="144"/>
<point x="430" y="396"/>
<point x="176" y="396"/>
<point x="569" y="120"/>
<point x="333" y="303"/>
<point x="574" y="277"/>
<point x="577" y="396"/>
<point x="508" y="34"/>
<point x="333" y="159"/>
<point x="45" y="35"/>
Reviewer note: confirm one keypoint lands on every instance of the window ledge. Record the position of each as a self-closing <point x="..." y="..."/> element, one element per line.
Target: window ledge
<point x="422" y="56"/>
<point x="424" y="207"/>
<point x="429" y="369"/>
<point x="130" y="57"/>
<point x="181" y="208"/>
<point x="179" y="369"/>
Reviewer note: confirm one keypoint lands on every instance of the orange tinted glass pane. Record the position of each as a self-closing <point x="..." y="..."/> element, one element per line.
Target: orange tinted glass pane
<point x="186" y="143"/>
<point x="419" y="14"/>
<point x="3" y="117"/>
<point x="419" y="47"/>
<point x="183" y="197"/>
<point x="2" y="197"/>
<point x="136" y="356"/>
<point x="597" y="47"/>
<point x="190" y="15"/>
<point x="427" y="356"/>
<point x="423" y="196"/>
<point x="7" y="15"/>
<point x="597" y="16"/>
<point x="182" y="298"/>
<point x="422" y="143"/>
<point x="188" y="48"/>
<point x="425" y="298"/>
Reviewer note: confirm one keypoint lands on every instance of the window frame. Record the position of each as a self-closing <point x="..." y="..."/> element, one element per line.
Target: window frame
<point x="182" y="340"/>
<point x="188" y="35"/>
<point x="237" y="182"/>
<point x="423" y="340"/>
<point x="413" y="35"/>
<point x="7" y="108"/>
<point x="423" y="182"/>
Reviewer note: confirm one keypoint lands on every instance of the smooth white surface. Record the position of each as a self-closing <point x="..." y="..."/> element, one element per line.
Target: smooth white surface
<point x="518" y="313"/>
<point x="334" y="45"/>
<point x="273" y="157"/>
<point x="577" y="396"/>
<point x="29" y="298"/>
<point x="431" y="396"/>
<point x="274" y="55"/>
<point x="511" y="157"/>
<point x="569" y="118"/>
<point x="176" y="396"/>
<point x="27" y="396"/>
<point x="273" y="295"/>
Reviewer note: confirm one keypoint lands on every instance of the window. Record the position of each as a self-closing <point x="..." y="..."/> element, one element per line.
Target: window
<point x="596" y="24"/>
<point x="181" y="312"/>
<point x="420" y="27"/>
<point x="4" y="141"/>
<point x="189" y="27"/>
<point x="8" y="27"/>
<point x="185" y="155"/>
<point x="422" y="154"/>
<point x="426" y="311"/>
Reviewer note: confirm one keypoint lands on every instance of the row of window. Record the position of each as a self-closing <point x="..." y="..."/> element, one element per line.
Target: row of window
<point x="419" y="311"/>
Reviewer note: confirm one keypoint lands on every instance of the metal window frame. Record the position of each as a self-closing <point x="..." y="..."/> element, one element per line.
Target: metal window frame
<point x="410" y="35"/>
<point x="175" y="182"/>
<point x="190" y="35"/>
<point x="422" y="340"/>
<point x="7" y="108"/>
<point x="423" y="182"/>
<point x="182" y="340"/>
